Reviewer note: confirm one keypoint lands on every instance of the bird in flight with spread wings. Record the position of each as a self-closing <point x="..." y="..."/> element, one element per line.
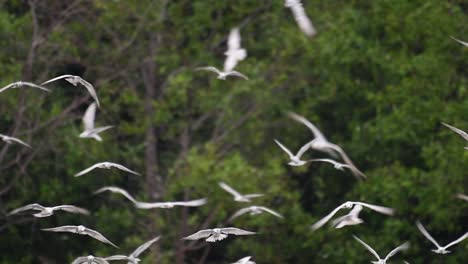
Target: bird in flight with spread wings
<point x="48" y="211"/>
<point x="440" y="249"/>
<point x="460" y="132"/>
<point x="238" y="197"/>
<point x="75" y="80"/>
<point x="88" y="122"/>
<point x="403" y="246"/>
<point x="11" y="140"/>
<point x="81" y="230"/>
<point x="106" y="165"/>
<point x="254" y="210"/>
<point x="217" y="234"/>
<point x="21" y="84"/>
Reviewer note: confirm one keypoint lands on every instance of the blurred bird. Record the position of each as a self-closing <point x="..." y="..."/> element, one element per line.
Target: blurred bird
<point x="460" y="132"/>
<point x="88" y="122"/>
<point x="336" y="165"/>
<point x="462" y="196"/>
<point x="352" y="217"/>
<point x="216" y="234"/>
<point x="11" y="140"/>
<point x="145" y="205"/>
<point x="21" y="84"/>
<point x="403" y="246"/>
<point x="90" y="260"/>
<point x="106" y="165"/>
<point x="237" y="196"/>
<point x="133" y="258"/>
<point x="222" y="74"/>
<point x="75" y="80"/>
<point x="254" y="210"/>
<point x="48" y="211"/>
<point x="122" y="257"/>
<point x="302" y="20"/>
<point x="81" y="230"/>
<point x="461" y="42"/>
<point x="245" y="260"/>
<point x="295" y="160"/>
<point x="440" y="249"/>
<point x="320" y="143"/>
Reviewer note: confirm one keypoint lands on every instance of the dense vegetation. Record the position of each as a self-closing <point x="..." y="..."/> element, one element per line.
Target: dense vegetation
<point x="378" y="79"/>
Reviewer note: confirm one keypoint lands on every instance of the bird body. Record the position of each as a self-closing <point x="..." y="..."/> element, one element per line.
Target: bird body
<point x="218" y="234"/>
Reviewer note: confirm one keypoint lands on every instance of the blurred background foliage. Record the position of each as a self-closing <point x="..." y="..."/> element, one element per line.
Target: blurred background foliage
<point x="378" y="79"/>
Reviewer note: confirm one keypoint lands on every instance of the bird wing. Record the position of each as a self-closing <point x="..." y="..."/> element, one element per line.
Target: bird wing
<point x="371" y="250"/>
<point x="327" y="218"/>
<point x="403" y="246"/>
<point x="380" y="209"/>
<point x="120" y="167"/>
<point x="461" y="42"/>
<point x="209" y="68"/>
<point x="462" y="196"/>
<point x="230" y="63"/>
<point x="96" y="235"/>
<point x="199" y="235"/>
<point x="426" y="234"/>
<point x="68" y="228"/>
<point x="307" y="123"/>
<point x="71" y="209"/>
<point x="117" y="257"/>
<point x="234" y="39"/>
<point x="236" y="231"/>
<point x="57" y="78"/>
<point x="303" y="150"/>
<point x="284" y="149"/>
<point x="36" y="86"/>
<point x="34" y="206"/>
<point x="192" y="203"/>
<point x="253" y="195"/>
<point x="457" y="130"/>
<point x="229" y="189"/>
<point x="347" y="160"/>
<point x="7" y="87"/>
<point x="237" y="74"/>
<point x="99" y="129"/>
<point x="356" y="210"/>
<point x="239" y="213"/>
<point x="91" y="90"/>
<point x="117" y="190"/>
<point x="268" y="210"/>
<point x="301" y="18"/>
<point x="19" y="141"/>
<point x="87" y="170"/>
<point x="89" y="116"/>
<point x="458" y="240"/>
<point x="144" y="247"/>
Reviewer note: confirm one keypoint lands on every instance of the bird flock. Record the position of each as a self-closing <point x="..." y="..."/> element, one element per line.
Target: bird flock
<point x="234" y="54"/>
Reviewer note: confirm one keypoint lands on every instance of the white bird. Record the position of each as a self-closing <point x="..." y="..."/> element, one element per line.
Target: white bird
<point x="295" y="160"/>
<point x="21" y="84"/>
<point x="48" y="211"/>
<point x="403" y="246"/>
<point x="320" y="143"/>
<point x="461" y="42"/>
<point x="237" y="196"/>
<point x="106" y="165"/>
<point x="352" y="218"/>
<point x="349" y="205"/>
<point x="90" y="260"/>
<point x="254" y="210"/>
<point x="216" y="234"/>
<point x="146" y="205"/>
<point x="88" y="122"/>
<point x="133" y="258"/>
<point x="245" y="260"/>
<point x="234" y="53"/>
<point x="440" y="249"/>
<point x="11" y="140"/>
<point x="336" y="165"/>
<point x="302" y="20"/>
<point x="460" y="132"/>
<point x="130" y="260"/>
<point x="222" y="74"/>
<point x="81" y="230"/>
<point x="462" y="196"/>
<point x="75" y="80"/>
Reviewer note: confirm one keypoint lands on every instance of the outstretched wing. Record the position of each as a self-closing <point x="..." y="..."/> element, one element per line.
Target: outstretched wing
<point x="117" y="257"/>
<point x="234" y="39"/>
<point x="199" y="235"/>
<point x="237" y="74"/>
<point x="239" y="213"/>
<point x="98" y="236"/>
<point x="120" y="167"/>
<point x="98" y="130"/>
<point x="91" y="90"/>
<point x="327" y="218"/>
<point x="19" y="141"/>
<point x="88" y="118"/>
<point x="87" y="170"/>
<point x="236" y="231"/>
<point x="117" y="190"/>
<point x="301" y="18"/>
<point x="209" y="68"/>
<point x="461" y="42"/>
<point x="253" y="195"/>
<point x="303" y="150"/>
<point x="28" y="207"/>
<point x="458" y="240"/>
<point x="68" y="228"/>
<point x="403" y="246"/>
<point x="285" y="149"/>
<point x="268" y="210"/>
<point x="7" y="87"/>
<point x="71" y="209"/>
<point x="229" y="189"/>
<point x="462" y="196"/>
<point x="144" y="247"/>
<point x="36" y="86"/>
<point x="426" y="234"/>
<point x="192" y="203"/>
<point x="377" y="208"/>
<point x="347" y="160"/>
<point x="307" y="123"/>
<point x="57" y="78"/>
<point x="371" y="250"/>
<point x="457" y="130"/>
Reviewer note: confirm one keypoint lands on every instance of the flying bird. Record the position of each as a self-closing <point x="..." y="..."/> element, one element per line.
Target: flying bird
<point x="146" y="205"/>
<point x="222" y="74"/>
<point x="254" y="210"/>
<point x="461" y="42"/>
<point x="302" y="20"/>
<point x="349" y="205"/>
<point x="217" y="234"/>
<point x="234" y="53"/>
<point x="21" y="84"/>
<point x="133" y="258"/>
<point x="11" y="140"/>
<point x="462" y="196"/>
<point x="440" y="249"/>
<point x="403" y="246"/>
<point x="295" y="160"/>
<point x="460" y="132"/>
<point x="90" y="260"/>
<point x="48" y="211"/>
<point x="106" y="165"/>
<point x="336" y="165"/>
<point x="321" y="143"/>
<point x="75" y="80"/>
<point x="88" y="122"/>
<point x="237" y="196"/>
<point x="350" y="219"/>
<point x="245" y="260"/>
<point x="81" y="230"/>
